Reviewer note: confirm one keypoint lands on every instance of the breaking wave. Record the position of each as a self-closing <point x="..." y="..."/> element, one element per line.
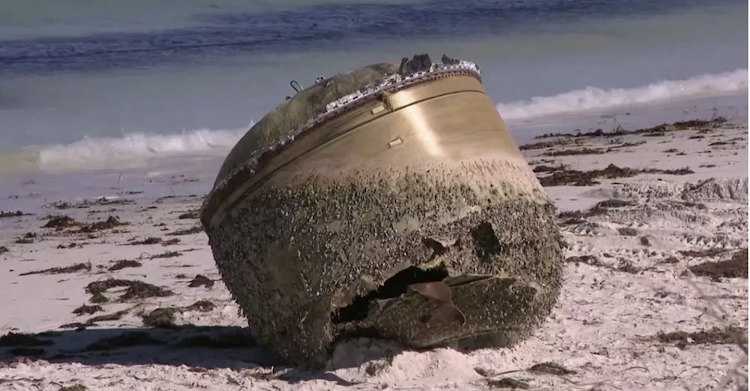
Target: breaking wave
<point x="593" y="98"/>
<point x="139" y="147"/>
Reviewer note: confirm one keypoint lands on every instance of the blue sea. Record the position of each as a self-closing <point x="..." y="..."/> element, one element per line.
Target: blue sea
<point x="114" y="88"/>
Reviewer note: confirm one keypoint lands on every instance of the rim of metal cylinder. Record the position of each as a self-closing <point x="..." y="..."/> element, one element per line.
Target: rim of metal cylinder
<point x="261" y="157"/>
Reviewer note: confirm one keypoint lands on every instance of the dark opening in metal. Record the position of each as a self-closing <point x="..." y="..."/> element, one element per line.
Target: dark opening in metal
<point x="390" y="289"/>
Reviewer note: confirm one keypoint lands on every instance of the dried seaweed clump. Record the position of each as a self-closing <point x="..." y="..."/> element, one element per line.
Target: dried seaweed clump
<point x="734" y="267"/>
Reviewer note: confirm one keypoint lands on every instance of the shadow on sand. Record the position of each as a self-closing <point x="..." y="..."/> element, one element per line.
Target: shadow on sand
<point x="199" y="348"/>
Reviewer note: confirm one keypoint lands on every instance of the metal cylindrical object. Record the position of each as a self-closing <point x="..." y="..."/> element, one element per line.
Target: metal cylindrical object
<point x="385" y="205"/>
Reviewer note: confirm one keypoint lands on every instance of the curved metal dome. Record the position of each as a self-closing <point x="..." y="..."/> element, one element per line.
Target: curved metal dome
<point x="299" y="109"/>
<point x="390" y="201"/>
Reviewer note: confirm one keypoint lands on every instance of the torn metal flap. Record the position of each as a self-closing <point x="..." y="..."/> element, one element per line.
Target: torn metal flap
<point x="436" y="290"/>
<point x="446" y="313"/>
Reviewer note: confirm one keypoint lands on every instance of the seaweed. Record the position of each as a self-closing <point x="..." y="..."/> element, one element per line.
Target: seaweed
<point x="61" y="270"/>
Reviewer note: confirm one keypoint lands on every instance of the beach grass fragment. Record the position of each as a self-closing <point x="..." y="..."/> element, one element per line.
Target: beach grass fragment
<point x="78" y="267"/>
<point x="187" y="231"/>
<point x="166" y="254"/>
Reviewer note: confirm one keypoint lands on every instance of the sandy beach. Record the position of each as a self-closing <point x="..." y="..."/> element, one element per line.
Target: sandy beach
<point x="121" y="292"/>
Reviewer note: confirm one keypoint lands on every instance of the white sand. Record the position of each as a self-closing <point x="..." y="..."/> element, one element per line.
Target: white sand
<point x="602" y="327"/>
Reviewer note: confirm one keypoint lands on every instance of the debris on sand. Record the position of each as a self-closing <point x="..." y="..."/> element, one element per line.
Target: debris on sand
<point x="60" y="222"/>
<point x="626" y="266"/>
<point x="27" y="238"/>
<point x="601" y="208"/>
<point x="627" y="231"/>
<point x="3" y="250"/>
<point x="735" y="267"/>
<point x="508" y="383"/>
<point x="78" y="267"/>
<point x="4" y="214"/>
<point x="161" y="318"/>
<point x="142" y="290"/>
<point x="187" y="231"/>
<point x="94" y="320"/>
<point x="170" y="242"/>
<point x="88" y="309"/>
<point x="135" y="289"/>
<point x="712" y="252"/>
<point x="670" y="260"/>
<point x="658" y="130"/>
<point x="575" y="152"/>
<point x="188" y="215"/>
<point x="87" y="203"/>
<point x="111" y="222"/>
<point x="545" y="168"/>
<point x="565" y="177"/>
<point x="176" y="198"/>
<point x="544" y="145"/>
<point x="148" y="240"/>
<point x="201" y="306"/>
<point x="162" y="199"/>
<point x="714" y="336"/>
<point x="201" y="280"/>
<point x="166" y="254"/>
<point x="71" y="245"/>
<point x="165" y="317"/>
<point x="625" y="145"/>
<point x="124" y="263"/>
<point x="103" y="285"/>
<point x="615" y="203"/>
<point x="98" y="298"/>
<point x="107" y="318"/>
<point x="551" y="368"/>
<point x="74" y="387"/>
<point x="587" y="259"/>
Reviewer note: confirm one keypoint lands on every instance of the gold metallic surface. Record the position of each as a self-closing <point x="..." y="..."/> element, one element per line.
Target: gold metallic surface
<point x="448" y="120"/>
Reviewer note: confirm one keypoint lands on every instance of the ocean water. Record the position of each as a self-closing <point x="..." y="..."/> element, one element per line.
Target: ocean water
<point x="110" y="88"/>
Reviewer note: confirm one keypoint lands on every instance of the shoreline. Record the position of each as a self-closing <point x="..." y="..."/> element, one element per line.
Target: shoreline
<point x="648" y="253"/>
<point x="147" y="153"/>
